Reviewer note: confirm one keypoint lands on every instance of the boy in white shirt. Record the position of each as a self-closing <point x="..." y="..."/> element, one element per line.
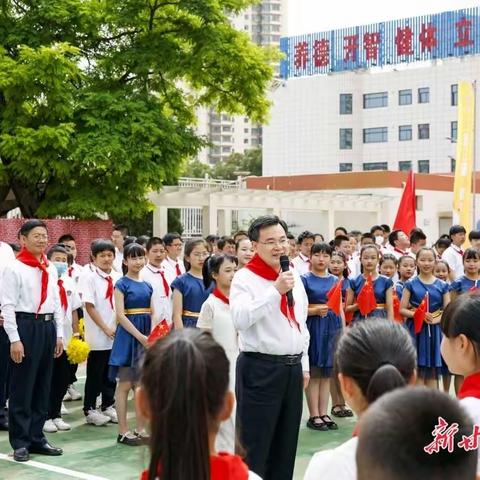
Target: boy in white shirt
<point x="453" y="255"/>
<point x="172" y="265"/>
<point x="302" y="261"/>
<point x="100" y="326"/>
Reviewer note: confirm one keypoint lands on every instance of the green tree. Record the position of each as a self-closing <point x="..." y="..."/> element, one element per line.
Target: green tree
<point x="98" y="97"/>
<point x="249" y="163"/>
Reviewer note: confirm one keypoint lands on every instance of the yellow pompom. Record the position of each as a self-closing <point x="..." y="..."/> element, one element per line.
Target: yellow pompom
<point x="77" y="350"/>
<point x="81" y="328"/>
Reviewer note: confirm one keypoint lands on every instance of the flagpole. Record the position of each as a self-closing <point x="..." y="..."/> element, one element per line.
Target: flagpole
<point x="474" y="209"/>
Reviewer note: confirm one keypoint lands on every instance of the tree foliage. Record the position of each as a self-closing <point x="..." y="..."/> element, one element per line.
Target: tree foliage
<point x="98" y="97"/>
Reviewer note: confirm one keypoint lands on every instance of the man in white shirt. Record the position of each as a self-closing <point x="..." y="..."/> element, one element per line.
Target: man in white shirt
<point x="33" y="321"/>
<point x="6" y="257"/>
<point x="399" y="242"/>
<point x="453" y="255"/>
<point x="153" y="274"/>
<point x="273" y="365"/>
<point x="119" y="233"/>
<point x="302" y="261"/>
<point x="172" y="265"/>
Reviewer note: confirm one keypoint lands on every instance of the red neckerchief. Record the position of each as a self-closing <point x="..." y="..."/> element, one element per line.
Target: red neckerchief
<point x="401" y="252"/>
<point x="470" y="386"/>
<point x="109" y="292"/>
<point x="223" y="466"/>
<point x="260" y="268"/>
<point x="164" y="280"/>
<point x="27" y="258"/>
<point x="63" y="295"/>
<point x="460" y="251"/>
<point x="220" y="296"/>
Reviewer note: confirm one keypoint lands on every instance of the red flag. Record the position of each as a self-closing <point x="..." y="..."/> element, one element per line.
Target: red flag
<point x="396" y="307"/>
<point x="419" y="315"/>
<point x="366" y="297"/>
<point x="335" y="298"/>
<point x="160" y="331"/>
<point x="348" y="317"/>
<point x="405" y="219"/>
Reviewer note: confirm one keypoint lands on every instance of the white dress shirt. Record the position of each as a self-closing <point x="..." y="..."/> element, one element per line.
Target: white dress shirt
<point x="301" y="264"/>
<point x="262" y="327"/>
<point x="454" y="257"/>
<point x="73" y="303"/>
<point x="75" y="272"/>
<point x="6" y="257"/>
<point x="21" y="292"/>
<point x="170" y="268"/>
<point x="118" y="261"/>
<point x="94" y="291"/>
<point x="162" y="300"/>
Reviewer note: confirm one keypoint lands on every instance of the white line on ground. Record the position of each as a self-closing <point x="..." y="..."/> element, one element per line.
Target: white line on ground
<point x="52" y="468"/>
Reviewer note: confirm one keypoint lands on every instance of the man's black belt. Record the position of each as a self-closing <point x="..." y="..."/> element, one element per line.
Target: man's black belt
<point x="44" y="317"/>
<point x="283" y="359"/>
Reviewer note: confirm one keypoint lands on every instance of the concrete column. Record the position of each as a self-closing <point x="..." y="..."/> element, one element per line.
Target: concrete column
<point x="331" y="223"/>
<point x="160" y="221"/>
<point x="225" y="222"/>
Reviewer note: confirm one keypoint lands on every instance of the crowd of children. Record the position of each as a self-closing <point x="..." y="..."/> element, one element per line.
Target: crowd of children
<point x="384" y="311"/>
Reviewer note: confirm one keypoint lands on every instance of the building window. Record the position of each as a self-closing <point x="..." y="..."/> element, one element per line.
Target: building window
<point x="346" y="138"/>
<point x="453" y="131"/>
<point x="405" y="166"/>
<point x="453" y="164"/>
<point x="405" y="97"/>
<point x="245" y="140"/>
<point x="375" y="166"/>
<point x="345" y="167"/>
<point x="454" y="95"/>
<point x="375" y="100"/>
<point x="424" y="166"/>
<point x="424" y="95"/>
<point x="375" y="135"/>
<point x="423" y="131"/>
<point x="404" y="132"/>
<point x="346" y="104"/>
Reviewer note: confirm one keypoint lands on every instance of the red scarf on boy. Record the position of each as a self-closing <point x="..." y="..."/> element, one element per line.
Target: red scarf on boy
<point x="260" y="268"/>
<point x="27" y="258"/>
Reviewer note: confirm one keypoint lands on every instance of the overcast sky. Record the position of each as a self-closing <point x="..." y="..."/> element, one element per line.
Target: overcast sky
<point x="307" y="16"/>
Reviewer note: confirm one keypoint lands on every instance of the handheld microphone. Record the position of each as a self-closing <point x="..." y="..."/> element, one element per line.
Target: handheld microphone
<point x="285" y="266"/>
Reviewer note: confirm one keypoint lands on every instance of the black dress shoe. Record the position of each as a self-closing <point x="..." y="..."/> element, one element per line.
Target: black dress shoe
<point x="21" y="455"/>
<point x="46" y="449"/>
<point x="4" y="426"/>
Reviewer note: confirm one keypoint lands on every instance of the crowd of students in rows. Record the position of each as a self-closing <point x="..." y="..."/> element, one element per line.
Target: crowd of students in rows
<point x="133" y="284"/>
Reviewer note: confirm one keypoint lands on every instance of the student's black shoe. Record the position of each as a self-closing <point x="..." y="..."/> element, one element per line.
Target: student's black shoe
<point x="21" y="455"/>
<point x="129" y="439"/>
<point x="315" y="425"/>
<point x="46" y="449"/>
<point x="331" y="425"/>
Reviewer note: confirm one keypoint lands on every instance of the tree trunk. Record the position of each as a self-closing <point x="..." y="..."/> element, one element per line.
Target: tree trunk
<point x="26" y="198"/>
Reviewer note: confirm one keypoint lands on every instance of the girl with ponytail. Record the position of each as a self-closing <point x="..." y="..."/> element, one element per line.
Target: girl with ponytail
<point x="215" y="317"/>
<point x="373" y="357"/>
<point x="185" y="412"/>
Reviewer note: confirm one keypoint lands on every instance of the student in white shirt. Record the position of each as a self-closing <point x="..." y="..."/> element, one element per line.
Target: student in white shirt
<point x="460" y="349"/>
<point x="33" y="322"/>
<point x="6" y="257"/>
<point x="273" y="364"/>
<point x="373" y="357"/>
<point x="74" y="270"/>
<point x="418" y="240"/>
<point x="70" y="303"/>
<point x="100" y="326"/>
<point x="400" y="243"/>
<point x="453" y="255"/>
<point x="119" y="233"/>
<point x="154" y="274"/>
<point x="172" y="265"/>
<point x="302" y="261"/>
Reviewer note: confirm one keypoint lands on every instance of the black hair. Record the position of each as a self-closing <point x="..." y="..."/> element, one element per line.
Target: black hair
<point x="403" y="257"/>
<point x="416" y="236"/>
<point x="129" y="240"/>
<point x="393" y="237"/>
<point x="474" y="235"/>
<point x="388" y="256"/>
<point x="367" y="235"/>
<point x="101" y="245"/>
<point x="213" y="264"/>
<point x="422" y="249"/>
<point x="321" y="248"/>
<point x="15" y="247"/>
<point x="376" y="227"/>
<point x="169" y="238"/>
<point x="264" y="222"/>
<point x="57" y="248"/>
<point x="366" y="247"/>
<point x="454" y="229"/>
<point x="66" y="237"/>
<point x="143" y="240"/>
<point x="239" y="233"/>
<point x="153" y="241"/>
<point x="343" y="229"/>
<point x="461" y="317"/>
<point x="29" y="225"/>
<point x="132" y="250"/>
<point x="189" y="246"/>
<point x="444" y="263"/>
<point x="443" y="242"/>
<point x="471" y="253"/>
<point x="337" y="241"/>
<point x="318" y="235"/>
<point x="306" y="235"/>
<point x="396" y="429"/>
<point x="123" y="229"/>
<point x="183" y="409"/>
<point x="224" y="241"/>
<point x="211" y="238"/>
<point x="290" y="236"/>
<point x="385" y="227"/>
<point x="337" y="253"/>
<point x="378" y="354"/>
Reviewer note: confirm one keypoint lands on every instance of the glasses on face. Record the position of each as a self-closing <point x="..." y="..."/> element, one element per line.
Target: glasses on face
<point x="272" y="243"/>
<point x="200" y="255"/>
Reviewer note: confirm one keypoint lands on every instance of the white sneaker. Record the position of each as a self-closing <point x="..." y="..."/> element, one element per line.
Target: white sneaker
<point x="111" y="413"/>
<point x="64" y="410"/>
<point x="50" y="427"/>
<point x="61" y="425"/>
<point x="94" y="417"/>
<point x="67" y="397"/>
<point x="74" y="393"/>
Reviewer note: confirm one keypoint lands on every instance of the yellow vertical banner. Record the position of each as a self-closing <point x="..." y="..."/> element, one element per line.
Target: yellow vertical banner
<point x="462" y="188"/>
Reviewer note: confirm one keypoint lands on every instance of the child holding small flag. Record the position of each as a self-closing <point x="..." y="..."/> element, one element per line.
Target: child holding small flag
<point x="325" y="321"/>
<point x="429" y="296"/>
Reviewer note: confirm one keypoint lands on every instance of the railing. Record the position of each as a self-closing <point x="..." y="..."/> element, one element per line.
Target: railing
<point x="208" y="183"/>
